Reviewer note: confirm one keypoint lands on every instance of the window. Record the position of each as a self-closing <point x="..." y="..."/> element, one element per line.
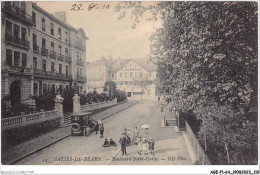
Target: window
<point x="16" y="31"/>
<point x="121" y="75"/>
<point x="135" y="74"/>
<point x="43" y="43"/>
<point x="66" y="52"/>
<point x="52" y="46"/>
<point x="60" y="68"/>
<point x="34" y="18"/>
<point x="24" y="60"/>
<point x="67" y="70"/>
<point x="131" y="74"/>
<point x="23" y="34"/>
<point x="43" y="24"/>
<point x="44" y="65"/>
<point x="60" y="48"/>
<point x="141" y="74"/>
<point x="34" y="39"/>
<point x="53" y="88"/>
<point x="35" y="88"/>
<point x="66" y="36"/>
<point x="59" y="33"/>
<point x="44" y="88"/>
<point x="9" y="57"/>
<point x="9" y="27"/>
<point x="23" y="7"/>
<point x="113" y="75"/>
<point x="16" y="58"/>
<point x="52" y="66"/>
<point x="125" y="74"/>
<point x="34" y="63"/>
<point x="52" y="29"/>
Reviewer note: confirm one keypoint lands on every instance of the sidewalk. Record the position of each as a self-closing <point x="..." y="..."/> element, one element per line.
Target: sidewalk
<point x="170" y="146"/>
<point x="18" y="152"/>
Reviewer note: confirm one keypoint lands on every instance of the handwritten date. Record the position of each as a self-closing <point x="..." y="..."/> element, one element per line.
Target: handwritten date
<point x="78" y="7"/>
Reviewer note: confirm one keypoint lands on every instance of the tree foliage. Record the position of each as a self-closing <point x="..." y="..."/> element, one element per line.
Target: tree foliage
<point x="206" y="55"/>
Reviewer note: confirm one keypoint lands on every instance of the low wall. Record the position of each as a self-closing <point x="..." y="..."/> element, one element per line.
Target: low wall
<point x="28" y="119"/>
<point x="202" y="158"/>
<point x="95" y="106"/>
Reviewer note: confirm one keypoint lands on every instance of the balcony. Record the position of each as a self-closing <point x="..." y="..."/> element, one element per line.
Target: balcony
<point x="44" y="52"/>
<point x="80" y="62"/>
<point x="52" y="75"/>
<point x="16" y="70"/>
<point x="17" y="13"/>
<point x="68" y="59"/>
<point x="80" y="46"/>
<point x="60" y="57"/>
<point x="36" y="49"/>
<point x="16" y="41"/>
<point x="81" y="79"/>
<point x="53" y="54"/>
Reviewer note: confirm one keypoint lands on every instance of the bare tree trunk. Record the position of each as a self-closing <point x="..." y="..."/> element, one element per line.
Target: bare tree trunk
<point x="228" y="156"/>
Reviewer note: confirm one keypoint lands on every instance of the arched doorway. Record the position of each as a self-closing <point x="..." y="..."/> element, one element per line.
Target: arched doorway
<point x="15" y="92"/>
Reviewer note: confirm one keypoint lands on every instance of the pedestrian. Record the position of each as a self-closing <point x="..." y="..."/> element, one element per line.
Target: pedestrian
<point x="106" y="143"/>
<point x="145" y="146"/>
<point x="161" y="107"/>
<point x="112" y="143"/>
<point x="122" y="141"/>
<point x="139" y="143"/>
<point x="96" y="127"/>
<point x="151" y="146"/>
<point x="101" y="130"/>
<point x="87" y="131"/>
<point x="159" y="98"/>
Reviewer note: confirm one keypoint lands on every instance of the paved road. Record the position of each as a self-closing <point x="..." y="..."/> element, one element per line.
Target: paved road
<point x="80" y="150"/>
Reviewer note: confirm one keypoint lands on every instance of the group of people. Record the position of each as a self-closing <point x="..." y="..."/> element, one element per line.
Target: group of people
<point x="97" y="127"/>
<point x="109" y="143"/>
<point x="145" y="144"/>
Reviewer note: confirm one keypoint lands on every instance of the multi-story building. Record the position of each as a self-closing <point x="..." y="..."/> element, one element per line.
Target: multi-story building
<point x="136" y="77"/>
<point x="40" y="52"/>
<point x="97" y="75"/>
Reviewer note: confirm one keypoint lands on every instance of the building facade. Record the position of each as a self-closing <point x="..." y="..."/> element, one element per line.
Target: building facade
<point x="39" y="52"/>
<point x="136" y="77"/>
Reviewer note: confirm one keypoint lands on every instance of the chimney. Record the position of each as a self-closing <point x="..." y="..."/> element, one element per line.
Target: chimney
<point x="61" y="16"/>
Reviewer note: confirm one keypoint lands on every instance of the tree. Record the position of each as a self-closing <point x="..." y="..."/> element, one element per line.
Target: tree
<point x="110" y="87"/>
<point x="206" y="56"/>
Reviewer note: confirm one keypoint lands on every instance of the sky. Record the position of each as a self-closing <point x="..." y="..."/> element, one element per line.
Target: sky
<point x="107" y="35"/>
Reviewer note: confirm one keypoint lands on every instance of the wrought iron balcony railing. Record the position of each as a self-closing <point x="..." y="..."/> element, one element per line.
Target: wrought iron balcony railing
<point x="53" y="54"/>
<point x="53" y="75"/>
<point x="36" y="49"/>
<point x="17" y="41"/>
<point x="80" y="62"/>
<point x="68" y="59"/>
<point x="81" y="79"/>
<point x="60" y="57"/>
<point x="80" y="46"/>
<point x="44" y="52"/>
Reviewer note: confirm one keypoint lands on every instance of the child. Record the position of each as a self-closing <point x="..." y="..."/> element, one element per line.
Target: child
<point x="151" y="146"/>
<point x="139" y="143"/>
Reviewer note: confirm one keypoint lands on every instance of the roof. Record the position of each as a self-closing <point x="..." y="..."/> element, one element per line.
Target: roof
<point x="143" y="62"/>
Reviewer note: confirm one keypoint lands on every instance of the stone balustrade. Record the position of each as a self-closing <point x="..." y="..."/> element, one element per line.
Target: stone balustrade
<point x="94" y="106"/>
<point x="28" y="119"/>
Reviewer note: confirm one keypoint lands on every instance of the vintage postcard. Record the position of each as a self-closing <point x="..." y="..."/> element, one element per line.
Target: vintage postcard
<point x="129" y="83"/>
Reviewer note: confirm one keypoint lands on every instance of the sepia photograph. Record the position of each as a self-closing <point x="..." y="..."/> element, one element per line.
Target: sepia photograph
<point x="129" y="83"/>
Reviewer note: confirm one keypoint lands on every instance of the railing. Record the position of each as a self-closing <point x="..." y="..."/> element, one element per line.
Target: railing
<point x="28" y="119"/>
<point x="36" y="49"/>
<point x="53" y="75"/>
<point x="60" y="57"/>
<point x="17" y="41"/>
<point x="16" y="69"/>
<point x="17" y="12"/>
<point x="53" y="54"/>
<point x="202" y="158"/>
<point x="94" y="106"/>
<point x="80" y="62"/>
<point x="68" y="59"/>
<point x="81" y="79"/>
<point x="80" y="46"/>
<point x="44" y="52"/>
